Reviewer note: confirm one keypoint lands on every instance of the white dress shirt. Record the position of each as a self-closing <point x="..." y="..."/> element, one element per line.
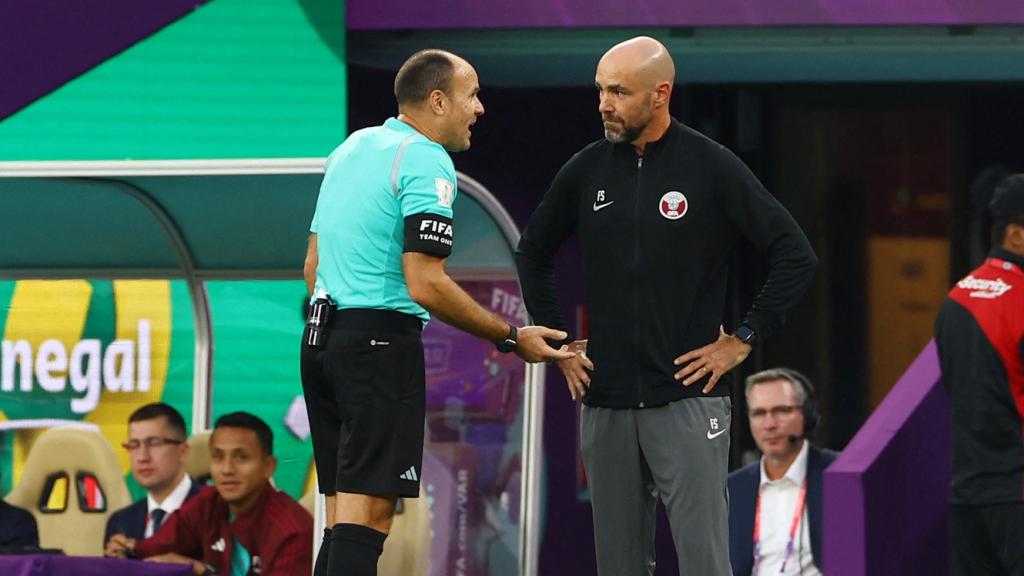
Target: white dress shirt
<point x="173" y="501"/>
<point x="778" y="504"/>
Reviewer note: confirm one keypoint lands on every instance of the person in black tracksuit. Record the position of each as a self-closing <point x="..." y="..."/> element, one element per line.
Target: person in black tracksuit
<point x="980" y="337"/>
<point x="659" y="210"/>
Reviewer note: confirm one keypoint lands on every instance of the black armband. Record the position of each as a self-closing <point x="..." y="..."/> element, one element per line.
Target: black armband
<point x="430" y="234"/>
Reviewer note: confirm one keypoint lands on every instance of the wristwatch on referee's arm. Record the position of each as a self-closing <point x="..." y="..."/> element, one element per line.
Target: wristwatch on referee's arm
<point x="509" y="342"/>
<point x="746" y="335"/>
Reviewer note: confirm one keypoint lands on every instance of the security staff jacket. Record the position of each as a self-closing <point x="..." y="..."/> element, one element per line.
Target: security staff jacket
<point x="657" y="234"/>
<point x="980" y="336"/>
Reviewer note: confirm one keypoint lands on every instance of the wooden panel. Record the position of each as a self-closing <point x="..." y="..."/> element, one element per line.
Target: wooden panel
<point x="907" y="281"/>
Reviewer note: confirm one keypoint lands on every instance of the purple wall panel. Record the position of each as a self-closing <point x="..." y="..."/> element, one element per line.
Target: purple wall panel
<point x="844" y="516"/>
<point x="47" y="565"/>
<point x="886" y="497"/>
<point x="46" y="44"/>
<point x="401" y="14"/>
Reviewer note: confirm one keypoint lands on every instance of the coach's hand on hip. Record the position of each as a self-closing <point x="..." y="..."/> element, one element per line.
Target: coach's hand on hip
<point x="577" y="369"/>
<point x="532" y="344"/>
<point x="715" y="359"/>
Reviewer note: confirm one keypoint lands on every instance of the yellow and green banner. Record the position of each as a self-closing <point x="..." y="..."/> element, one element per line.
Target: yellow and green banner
<point x="95" y="350"/>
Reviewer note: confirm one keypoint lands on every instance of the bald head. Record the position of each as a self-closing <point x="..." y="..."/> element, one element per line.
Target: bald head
<point x="644" y="57"/>
<point x="634" y="80"/>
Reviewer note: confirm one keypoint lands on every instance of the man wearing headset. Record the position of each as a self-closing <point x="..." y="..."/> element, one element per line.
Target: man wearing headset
<point x="775" y="503"/>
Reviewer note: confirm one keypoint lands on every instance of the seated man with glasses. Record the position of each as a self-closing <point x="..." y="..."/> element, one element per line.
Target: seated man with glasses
<point x="157" y="446"/>
<point x="242" y="525"/>
<point x="775" y="503"/>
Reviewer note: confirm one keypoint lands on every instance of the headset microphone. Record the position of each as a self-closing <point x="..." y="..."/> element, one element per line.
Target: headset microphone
<point x="809" y="406"/>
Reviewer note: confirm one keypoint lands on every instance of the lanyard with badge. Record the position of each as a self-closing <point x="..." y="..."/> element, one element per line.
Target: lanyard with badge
<point x="798" y="514"/>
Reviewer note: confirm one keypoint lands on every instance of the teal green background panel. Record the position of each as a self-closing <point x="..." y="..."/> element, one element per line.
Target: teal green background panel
<point x="233" y="79"/>
<point x="257" y="328"/>
<point x="6" y="439"/>
<point x="180" y="367"/>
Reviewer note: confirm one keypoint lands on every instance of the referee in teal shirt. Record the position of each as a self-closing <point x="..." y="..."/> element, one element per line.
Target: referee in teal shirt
<point x="375" y="269"/>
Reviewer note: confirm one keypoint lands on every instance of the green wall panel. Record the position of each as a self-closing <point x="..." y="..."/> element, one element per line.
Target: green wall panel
<point x="234" y="79"/>
<point x="257" y="328"/>
<point x="72" y="312"/>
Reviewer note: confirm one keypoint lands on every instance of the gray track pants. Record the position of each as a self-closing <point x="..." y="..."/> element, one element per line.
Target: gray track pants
<point x="679" y="453"/>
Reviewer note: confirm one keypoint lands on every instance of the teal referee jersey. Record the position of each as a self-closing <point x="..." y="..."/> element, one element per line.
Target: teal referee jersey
<point x="386" y="190"/>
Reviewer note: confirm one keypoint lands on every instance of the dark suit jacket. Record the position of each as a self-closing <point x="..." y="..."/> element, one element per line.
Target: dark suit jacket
<point x="17" y="527"/>
<point x="131" y="520"/>
<point x="743" y="488"/>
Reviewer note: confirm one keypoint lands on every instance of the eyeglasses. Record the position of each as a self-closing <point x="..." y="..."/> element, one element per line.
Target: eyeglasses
<point x="150" y="443"/>
<point x="777" y="412"/>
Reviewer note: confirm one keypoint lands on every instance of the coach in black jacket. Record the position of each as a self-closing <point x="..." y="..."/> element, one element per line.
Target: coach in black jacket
<point x="783" y="414"/>
<point x="659" y="210"/>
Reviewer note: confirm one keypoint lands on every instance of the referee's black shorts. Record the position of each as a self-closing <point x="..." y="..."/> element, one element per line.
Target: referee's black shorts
<point x="365" y="394"/>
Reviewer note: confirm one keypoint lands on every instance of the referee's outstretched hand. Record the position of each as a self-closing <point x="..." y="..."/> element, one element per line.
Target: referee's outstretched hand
<point x="533" y="346"/>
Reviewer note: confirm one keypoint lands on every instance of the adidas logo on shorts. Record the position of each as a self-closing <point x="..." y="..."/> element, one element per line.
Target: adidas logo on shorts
<point x="410" y="474"/>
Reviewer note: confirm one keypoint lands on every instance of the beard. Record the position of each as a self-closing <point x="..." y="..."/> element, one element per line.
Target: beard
<point x="625" y="133"/>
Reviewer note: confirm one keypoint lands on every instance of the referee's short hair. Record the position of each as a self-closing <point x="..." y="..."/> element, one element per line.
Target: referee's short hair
<point x="424" y="72"/>
<point x="249" y="422"/>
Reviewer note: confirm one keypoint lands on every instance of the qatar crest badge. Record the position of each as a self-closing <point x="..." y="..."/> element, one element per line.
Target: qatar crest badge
<point x="673" y="205"/>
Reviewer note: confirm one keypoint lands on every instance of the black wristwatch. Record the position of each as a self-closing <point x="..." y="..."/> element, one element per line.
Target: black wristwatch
<point x="746" y="334"/>
<point x="509" y="343"/>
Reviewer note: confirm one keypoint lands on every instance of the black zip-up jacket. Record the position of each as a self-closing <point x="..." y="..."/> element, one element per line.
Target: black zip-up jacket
<point x="980" y="336"/>
<point x="657" y="234"/>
